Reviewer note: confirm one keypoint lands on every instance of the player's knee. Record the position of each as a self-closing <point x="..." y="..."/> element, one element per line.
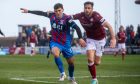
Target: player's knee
<point x="55" y="51"/>
<point x="90" y="60"/>
<point x="56" y="55"/>
<point x="97" y="62"/>
<point x="71" y="64"/>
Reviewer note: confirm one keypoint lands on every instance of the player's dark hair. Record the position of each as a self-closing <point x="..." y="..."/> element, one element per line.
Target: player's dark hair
<point x="89" y="2"/>
<point x="58" y="5"/>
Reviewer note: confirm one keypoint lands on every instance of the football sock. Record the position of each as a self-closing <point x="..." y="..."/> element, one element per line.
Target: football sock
<point x="92" y="69"/>
<point x="59" y="64"/>
<point x="71" y="70"/>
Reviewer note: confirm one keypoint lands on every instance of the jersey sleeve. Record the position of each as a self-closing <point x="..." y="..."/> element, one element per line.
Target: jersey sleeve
<point x="72" y="24"/>
<point x="99" y="18"/>
<point x="41" y="13"/>
<point x="76" y="16"/>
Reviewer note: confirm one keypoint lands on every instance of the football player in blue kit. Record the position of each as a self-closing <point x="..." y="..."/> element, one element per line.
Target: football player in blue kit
<point x="60" y="38"/>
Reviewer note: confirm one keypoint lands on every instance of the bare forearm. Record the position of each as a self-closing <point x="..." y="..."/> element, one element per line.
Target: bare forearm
<point x="107" y="25"/>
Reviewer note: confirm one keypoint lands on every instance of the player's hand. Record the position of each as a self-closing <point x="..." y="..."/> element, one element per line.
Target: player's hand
<point x="49" y="36"/>
<point x="113" y="43"/>
<point x="82" y="43"/>
<point x="23" y="10"/>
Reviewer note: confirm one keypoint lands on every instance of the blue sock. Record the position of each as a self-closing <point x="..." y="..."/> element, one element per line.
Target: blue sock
<point x="59" y="64"/>
<point x="71" y="70"/>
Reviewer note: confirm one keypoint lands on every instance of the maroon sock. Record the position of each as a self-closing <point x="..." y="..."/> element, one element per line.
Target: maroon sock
<point x="92" y="69"/>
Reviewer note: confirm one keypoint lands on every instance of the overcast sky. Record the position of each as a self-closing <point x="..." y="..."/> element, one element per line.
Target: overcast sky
<point x="11" y="16"/>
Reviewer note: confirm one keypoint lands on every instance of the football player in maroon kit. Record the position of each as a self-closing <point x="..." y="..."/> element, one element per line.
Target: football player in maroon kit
<point x="121" y="37"/>
<point x="32" y="40"/>
<point x="94" y="25"/>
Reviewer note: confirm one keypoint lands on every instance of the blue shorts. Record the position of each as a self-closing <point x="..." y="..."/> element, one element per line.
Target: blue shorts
<point x="66" y="51"/>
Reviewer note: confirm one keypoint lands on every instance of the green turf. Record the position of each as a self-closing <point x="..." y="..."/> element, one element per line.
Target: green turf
<point x="38" y="69"/>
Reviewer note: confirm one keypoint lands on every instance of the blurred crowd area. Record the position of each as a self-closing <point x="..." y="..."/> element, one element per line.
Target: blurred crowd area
<point x="42" y="35"/>
<point x="132" y="37"/>
<point x="25" y="32"/>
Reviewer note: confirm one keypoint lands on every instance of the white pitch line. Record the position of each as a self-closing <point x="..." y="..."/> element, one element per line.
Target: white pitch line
<point x="115" y="76"/>
<point x="33" y="80"/>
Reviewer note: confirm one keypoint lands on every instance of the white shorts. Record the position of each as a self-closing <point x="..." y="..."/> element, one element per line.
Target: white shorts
<point x="97" y="45"/>
<point x="32" y="45"/>
<point x="121" y="46"/>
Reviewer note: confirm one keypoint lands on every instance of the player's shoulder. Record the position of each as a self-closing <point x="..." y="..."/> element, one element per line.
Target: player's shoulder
<point x="67" y="17"/>
<point x="95" y="13"/>
<point x="50" y="13"/>
<point x="80" y="14"/>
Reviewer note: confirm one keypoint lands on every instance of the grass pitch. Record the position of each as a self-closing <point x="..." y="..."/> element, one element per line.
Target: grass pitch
<point x="39" y="70"/>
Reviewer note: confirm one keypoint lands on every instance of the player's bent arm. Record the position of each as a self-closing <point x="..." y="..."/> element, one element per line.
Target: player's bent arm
<point x="107" y="25"/>
<point x="112" y="34"/>
<point x="72" y="24"/>
<point x="79" y="33"/>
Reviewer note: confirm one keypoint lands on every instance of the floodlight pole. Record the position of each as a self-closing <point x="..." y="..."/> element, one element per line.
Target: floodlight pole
<point x="117" y="15"/>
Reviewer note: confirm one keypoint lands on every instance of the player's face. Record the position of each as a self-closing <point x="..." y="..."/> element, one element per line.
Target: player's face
<point x="59" y="12"/>
<point x="88" y="9"/>
<point x="121" y="29"/>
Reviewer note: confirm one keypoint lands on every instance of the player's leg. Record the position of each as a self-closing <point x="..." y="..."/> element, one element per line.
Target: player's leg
<point x="118" y="50"/>
<point x="68" y="54"/>
<point x="55" y="49"/>
<point x="97" y="60"/>
<point x="91" y="57"/>
<point x="91" y="65"/>
<point x="71" y="70"/>
<point x="116" y="53"/>
<point x="99" y="50"/>
<point x="123" y="51"/>
<point x="58" y="61"/>
<point x="32" y="48"/>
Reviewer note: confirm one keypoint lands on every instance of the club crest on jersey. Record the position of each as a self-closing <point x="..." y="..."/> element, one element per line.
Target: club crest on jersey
<point x="53" y="25"/>
<point x="61" y="21"/>
<point x="91" y="19"/>
<point x="70" y="21"/>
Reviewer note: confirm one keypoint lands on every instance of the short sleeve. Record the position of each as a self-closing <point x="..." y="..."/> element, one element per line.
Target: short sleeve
<point x="99" y="18"/>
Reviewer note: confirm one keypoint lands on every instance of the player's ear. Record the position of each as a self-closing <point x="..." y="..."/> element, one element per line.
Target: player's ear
<point x="62" y="10"/>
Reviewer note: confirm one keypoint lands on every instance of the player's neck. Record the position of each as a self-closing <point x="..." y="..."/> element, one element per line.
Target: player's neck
<point x="59" y="17"/>
<point x="89" y="15"/>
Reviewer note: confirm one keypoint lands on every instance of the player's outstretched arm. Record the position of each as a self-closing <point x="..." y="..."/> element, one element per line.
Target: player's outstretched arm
<point x="112" y="34"/>
<point x="23" y="10"/>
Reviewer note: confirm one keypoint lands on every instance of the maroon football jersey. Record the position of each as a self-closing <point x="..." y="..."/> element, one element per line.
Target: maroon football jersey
<point x="92" y="25"/>
<point x="121" y="37"/>
<point x="33" y="39"/>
